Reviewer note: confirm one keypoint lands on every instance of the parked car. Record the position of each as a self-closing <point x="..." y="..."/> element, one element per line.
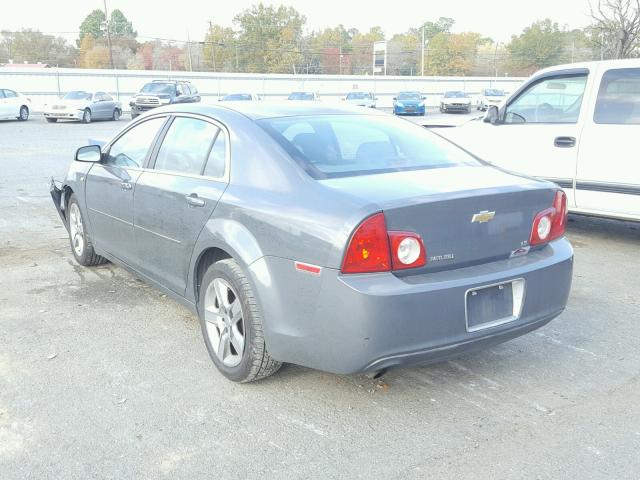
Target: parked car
<point x="163" y="92"/>
<point x="240" y="97"/>
<point x="577" y="125"/>
<point x="490" y="96"/>
<point x="14" y="105"/>
<point x="361" y="99"/>
<point x="313" y="96"/>
<point x="455" y="101"/>
<point x="409" y="103"/>
<point x="338" y="238"/>
<point x="83" y="106"/>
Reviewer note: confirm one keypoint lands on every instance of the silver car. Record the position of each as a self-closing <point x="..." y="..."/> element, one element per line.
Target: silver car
<point x="83" y="106"/>
<point x="334" y="237"/>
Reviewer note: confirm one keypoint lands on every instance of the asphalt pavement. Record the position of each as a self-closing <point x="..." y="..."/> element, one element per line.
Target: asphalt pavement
<point x="103" y="377"/>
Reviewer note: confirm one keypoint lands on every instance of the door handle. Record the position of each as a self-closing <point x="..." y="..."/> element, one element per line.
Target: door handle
<point x="194" y="200"/>
<point x="564" y="142"/>
<point x="125" y="186"/>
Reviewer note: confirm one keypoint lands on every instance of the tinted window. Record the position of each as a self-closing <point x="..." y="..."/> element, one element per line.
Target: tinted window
<point x="10" y="94"/>
<point x="619" y="97"/>
<point x="552" y="100"/>
<point x="217" y="158"/>
<point x="131" y="149"/>
<point x="185" y="146"/>
<point x="346" y="145"/>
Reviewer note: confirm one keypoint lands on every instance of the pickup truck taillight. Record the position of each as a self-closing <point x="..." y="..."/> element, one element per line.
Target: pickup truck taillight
<point x="373" y="248"/>
<point x="550" y="223"/>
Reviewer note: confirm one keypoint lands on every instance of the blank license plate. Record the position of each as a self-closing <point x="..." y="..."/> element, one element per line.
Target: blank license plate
<point x="494" y="304"/>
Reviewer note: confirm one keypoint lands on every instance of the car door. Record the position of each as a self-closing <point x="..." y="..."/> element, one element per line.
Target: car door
<point x="110" y="186"/>
<point x="100" y="106"/>
<point x="175" y="198"/>
<point x="608" y="175"/>
<point x="11" y="101"/>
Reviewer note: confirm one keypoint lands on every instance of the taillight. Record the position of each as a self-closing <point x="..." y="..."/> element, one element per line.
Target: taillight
<point x="373" y="249"/>
<point x="407" y="250"/>
<point x="551" y="223"/>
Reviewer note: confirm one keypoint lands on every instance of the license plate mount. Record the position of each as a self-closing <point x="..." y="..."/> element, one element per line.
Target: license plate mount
<point x="492" y="305"/>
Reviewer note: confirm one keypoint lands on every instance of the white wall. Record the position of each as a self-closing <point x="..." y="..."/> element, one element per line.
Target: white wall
<point x="45" y="85"/>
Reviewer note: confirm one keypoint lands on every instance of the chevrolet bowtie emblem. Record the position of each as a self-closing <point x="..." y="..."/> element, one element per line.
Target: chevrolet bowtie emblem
<point x="483" y="216"/>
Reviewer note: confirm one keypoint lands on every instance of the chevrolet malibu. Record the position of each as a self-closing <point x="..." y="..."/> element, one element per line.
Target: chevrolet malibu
<point x="334" y="237"/>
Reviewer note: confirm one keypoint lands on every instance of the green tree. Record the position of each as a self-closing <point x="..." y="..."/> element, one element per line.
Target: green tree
<point x="220" y="49"/>
<point x="119" y="25"/>
<point x="540" y="45"/>
<point x="270" y="38"/>
<point x="32" y="46"/>
<point x="93" y="25"/>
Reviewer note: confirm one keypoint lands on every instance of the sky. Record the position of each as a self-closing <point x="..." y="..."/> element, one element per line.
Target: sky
<point x="497" y="19"/>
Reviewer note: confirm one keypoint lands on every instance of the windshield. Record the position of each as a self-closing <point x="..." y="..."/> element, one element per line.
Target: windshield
<point x="409" y="96"/>
<point x="492" y="92"/>
<point x="236" y="97"/>
<point x="159" y="88"/>
<point x="329" y="146"/>
<point x="359" y="96"/>
<point x="455" y="95"/>
<point x="78" y="95"/>
<point x="301" y="96"/>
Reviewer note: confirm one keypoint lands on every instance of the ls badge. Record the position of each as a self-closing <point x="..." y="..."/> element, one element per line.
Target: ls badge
<point x="483" y="216"/>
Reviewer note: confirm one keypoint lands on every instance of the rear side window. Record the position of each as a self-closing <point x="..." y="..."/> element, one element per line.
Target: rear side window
<point x="619" y="97"/>
<point x="330" y="146"/>
<point x="217" y="157"/>
<point x="186" y="146"/>
<point x="130" y="150"/>
<point x="10" y="94"/>
<point x="551" y="100"/>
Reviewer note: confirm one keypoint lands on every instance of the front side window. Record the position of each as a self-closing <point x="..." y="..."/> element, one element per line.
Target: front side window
<point x="131" y="149"/>
<point x="551" y="100"/>
<point x="328" y="146"/>
<point x="10" y="94"/>
<point x="186" y="146"/>
<point x="619" y="97"/>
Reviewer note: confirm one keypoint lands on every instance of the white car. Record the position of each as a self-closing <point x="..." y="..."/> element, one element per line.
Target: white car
<point x="455" y="101"/>
<point x="83" y="106"/>
<point x="577" y="125"/>
<point x="490" y="96"/>
<point x="14" y="105"/>
<point x="361" y="99"/>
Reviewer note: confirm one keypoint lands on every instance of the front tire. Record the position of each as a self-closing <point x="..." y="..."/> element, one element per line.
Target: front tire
<point x="116" y="115"/>
<point x="86" y="116"/>
<point x="231" y="324"/>
<point x="80" y="244"/>
<point x="24" y="114"/>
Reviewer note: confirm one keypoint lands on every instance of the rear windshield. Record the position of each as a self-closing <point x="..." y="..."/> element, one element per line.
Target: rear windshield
<point x="301" y="96"/>
<point x="329" y="146"/>
<point x="359" y="96"/>
<point x="157" y="87"/>
<point x="236" y="97"/>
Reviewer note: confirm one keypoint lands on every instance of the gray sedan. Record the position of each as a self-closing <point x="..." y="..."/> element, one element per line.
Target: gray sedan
<point x="334" y="237"/>
<point x="83" y="106"/>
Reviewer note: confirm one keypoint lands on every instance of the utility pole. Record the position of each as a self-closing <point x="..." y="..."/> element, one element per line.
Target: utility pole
<point x="189" y="52"/>
<point x="495" y="65"/>
<point x="106" y="22"/>
<point x="422" y="63"/>
<point x="213" y="46"/>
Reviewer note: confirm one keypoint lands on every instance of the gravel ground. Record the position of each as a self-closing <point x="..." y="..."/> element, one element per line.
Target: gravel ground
<point x="101" y="376"/>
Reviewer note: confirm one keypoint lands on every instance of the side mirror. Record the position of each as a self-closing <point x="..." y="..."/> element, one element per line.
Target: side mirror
<point x="424" y="97"/>
<point x="493" y="116"/>
<point x="90" y="153"/>
<point x="395" y="98"/>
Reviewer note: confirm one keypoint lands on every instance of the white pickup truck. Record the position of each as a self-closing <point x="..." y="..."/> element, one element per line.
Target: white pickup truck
<point x="577" y="125"/>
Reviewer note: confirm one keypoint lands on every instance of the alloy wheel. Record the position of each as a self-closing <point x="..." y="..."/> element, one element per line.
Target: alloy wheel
<point x="76" y="229"/>
<point x="224" y="322"/>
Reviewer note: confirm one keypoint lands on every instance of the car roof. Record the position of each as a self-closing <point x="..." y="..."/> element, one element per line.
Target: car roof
<point x="620" y="63"/>
<point x="271" y="109"/>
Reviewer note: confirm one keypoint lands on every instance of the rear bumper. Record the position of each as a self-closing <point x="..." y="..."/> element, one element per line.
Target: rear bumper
<point x="355" y="323"/>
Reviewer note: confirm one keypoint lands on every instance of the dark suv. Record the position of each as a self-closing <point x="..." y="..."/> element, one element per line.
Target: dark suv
<point x="162" y="92"/>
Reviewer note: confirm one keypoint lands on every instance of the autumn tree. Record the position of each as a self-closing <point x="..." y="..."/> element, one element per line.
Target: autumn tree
<point x="220" y="49"/>
<point x="32" y="46"/>
<point x="452" y="53"/>
<point x="540" y="45"/>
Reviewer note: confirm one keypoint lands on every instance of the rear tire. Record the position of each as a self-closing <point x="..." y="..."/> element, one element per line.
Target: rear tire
<point x="24" y="114"/>
<point x="231" y="324"/>
<point x="51" y="120"/>
<point x="81" y="246"/>
<point x="86" y="116"/>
